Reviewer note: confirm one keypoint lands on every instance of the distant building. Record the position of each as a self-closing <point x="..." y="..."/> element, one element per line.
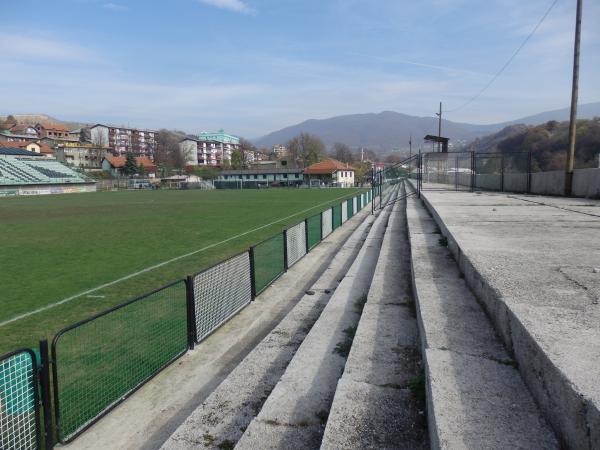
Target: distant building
<point x="330" y="172"/>
<point x="32" y="146"/>
<point x="54" y="130"/>
<point x="115" y="164"/>
<point x="7" y="136"/>
<point x="23" y="129"/>
<point x="124" y="140"/>
<point x="80" y="154"/>
<point x="280" y="151"/>
<point x="209" y="149"/>
<point x="254" y="178"/>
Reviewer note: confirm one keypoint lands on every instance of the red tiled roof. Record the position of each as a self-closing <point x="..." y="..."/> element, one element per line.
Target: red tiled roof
<point x="119" y="161"/>
<point x="54" y="127"/>
<point x="23" y="144"/>
<point x="327" y="166"/>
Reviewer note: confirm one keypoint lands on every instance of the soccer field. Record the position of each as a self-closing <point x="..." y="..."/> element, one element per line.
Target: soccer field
<point x="54" y="248"/>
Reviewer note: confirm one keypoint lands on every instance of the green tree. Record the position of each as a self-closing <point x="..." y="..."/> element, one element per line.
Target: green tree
<point x="206" y="173"/>
<point x="141" y="170"/>
<point x="130" y="167"/>
<point x="237" y="159"/>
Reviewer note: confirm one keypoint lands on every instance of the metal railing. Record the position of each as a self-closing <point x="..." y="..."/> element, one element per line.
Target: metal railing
<point x="100" y="361"/>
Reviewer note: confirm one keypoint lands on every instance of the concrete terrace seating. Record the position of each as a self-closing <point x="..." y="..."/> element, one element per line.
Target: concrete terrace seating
<point x="38" y="171"/>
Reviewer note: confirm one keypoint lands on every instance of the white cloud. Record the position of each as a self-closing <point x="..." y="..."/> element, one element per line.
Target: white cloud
<point x="115" y="7"/>
<point x="232" y="5"/>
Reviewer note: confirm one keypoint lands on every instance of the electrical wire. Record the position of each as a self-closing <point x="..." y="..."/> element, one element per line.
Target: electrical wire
<point x="503" y="68"/>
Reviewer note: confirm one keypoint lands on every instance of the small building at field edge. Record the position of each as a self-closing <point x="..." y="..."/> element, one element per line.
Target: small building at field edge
<point x="330" y="172"/>
<point x="256" y="178"/>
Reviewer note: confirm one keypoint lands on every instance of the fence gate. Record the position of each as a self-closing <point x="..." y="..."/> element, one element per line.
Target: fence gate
<point x="19" y="404"/>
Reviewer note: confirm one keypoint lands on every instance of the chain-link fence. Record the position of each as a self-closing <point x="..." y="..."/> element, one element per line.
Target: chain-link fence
<point x="19" y="415"/>
<point x="313" y="231"/>
<point x="269" y="262"/>
<point x="296" y="243"/>
<point x="220" y="292"/>
<point x="99" y="361"/>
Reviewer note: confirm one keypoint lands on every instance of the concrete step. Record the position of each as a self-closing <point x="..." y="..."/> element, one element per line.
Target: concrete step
<point x="295" y="413"/>
<point x="476" y="397"/>
<point x="222" y="418"/>
<point x="373" y="407"/>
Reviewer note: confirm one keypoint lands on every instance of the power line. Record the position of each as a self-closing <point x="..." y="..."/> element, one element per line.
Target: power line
<point x="516" y="52"/>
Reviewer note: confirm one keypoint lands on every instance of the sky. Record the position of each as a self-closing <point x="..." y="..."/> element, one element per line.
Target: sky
<point x="254" y="66"/>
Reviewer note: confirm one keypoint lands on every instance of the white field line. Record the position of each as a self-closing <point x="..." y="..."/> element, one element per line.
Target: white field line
<point x="156" y="266"/>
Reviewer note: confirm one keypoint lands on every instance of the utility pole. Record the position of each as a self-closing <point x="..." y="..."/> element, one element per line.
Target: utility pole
<point x="574" y="96"/>
<point x="439" y="127"/>
<point x="410" y="146"/>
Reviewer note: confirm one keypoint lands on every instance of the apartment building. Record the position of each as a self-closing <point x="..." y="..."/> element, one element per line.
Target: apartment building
<point x="209" y="149"/>
<point x="122" y="140"/>
<point x="51" y="130"/>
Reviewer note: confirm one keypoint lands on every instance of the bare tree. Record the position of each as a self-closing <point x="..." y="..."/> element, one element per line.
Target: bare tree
<point x="343" y="153"/>
<point x="306" y="148"/>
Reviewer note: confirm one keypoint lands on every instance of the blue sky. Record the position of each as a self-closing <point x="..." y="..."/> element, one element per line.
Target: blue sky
<point x="254" y="66"/>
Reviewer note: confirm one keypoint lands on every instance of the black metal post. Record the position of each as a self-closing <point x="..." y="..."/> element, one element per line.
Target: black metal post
<point x="529" y="172"/>
<point x="44" y="377"/>
<point x="372" y="189"/>
<point x="321" y="226"/>
<point x="285" y="251"/>
<point x="501" y="172"/>
<point x="191" y="312"/>
<point x="472" y="171"/>
<point x="252" y="274"/>
<point x="306" y="234"/>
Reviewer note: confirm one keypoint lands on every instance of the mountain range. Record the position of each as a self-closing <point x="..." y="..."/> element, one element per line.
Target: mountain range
<point x="391" y="130"/>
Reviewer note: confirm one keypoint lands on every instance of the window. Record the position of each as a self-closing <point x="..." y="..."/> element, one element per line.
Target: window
<point x="226" y="177"/>
<point x="285" y="175"/>
<point x="264" y="177"/>
<point x="256" y="177"/>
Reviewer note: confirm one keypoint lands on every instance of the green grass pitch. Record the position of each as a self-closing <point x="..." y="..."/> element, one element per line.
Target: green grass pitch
<point x="54" y="247"/>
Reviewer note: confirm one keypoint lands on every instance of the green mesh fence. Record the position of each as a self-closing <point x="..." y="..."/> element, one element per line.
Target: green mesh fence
<point x="19" y="417"/>
<point x="268" y="262"/>
<point x="100" y="361"/>
<point x="314" y="230"/>
<point x="350" y="206"/>
<point x="337" y="216"/>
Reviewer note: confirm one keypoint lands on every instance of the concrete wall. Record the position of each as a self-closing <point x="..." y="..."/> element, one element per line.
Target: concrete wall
<point x="548" y="183"/>
<point x="488" y="182"/>
<point x="586" y="183"/>
<point x="515" y="182"/>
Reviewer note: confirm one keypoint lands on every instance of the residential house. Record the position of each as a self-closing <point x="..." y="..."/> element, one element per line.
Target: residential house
<point x="330" y="172"/>
<point x="53" y="130"/>
<point x="115" y="164"/>
<point x="31" y="146"/>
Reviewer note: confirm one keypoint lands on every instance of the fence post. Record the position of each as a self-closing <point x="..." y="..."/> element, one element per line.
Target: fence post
<point x="252" y="274"/>
<point x="501" y="172"/>
<point x="306" y="235"/>
<point x="191" y="312"/>
<point x="472" y="171"/>
<point x="285" y="251"/>
<point x="529" y="172"/>
<point x="44" y="377"/>
<point x="320" y="226"/>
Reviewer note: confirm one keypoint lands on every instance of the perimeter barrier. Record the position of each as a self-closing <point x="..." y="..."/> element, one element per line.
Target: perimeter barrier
<point x="100" y="361"/>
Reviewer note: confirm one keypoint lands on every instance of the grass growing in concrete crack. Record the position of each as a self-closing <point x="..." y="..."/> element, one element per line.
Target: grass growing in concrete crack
<point x="322" y="416"/>
<point x="443" y="241"/>
<point x="226" y="445"/>
<point x="359" y="304"/>
<point x="343" y="348"/>
<point x="417" y="387"/>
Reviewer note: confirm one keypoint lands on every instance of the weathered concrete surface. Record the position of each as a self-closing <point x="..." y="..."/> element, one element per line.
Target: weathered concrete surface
<point x="226" y="413"/>
<point x="153" y="413"/>
<point x="373" y="407"/>
<point x="530" y="261"/>
<point x="295" y="413"/>
<point x="476" y="398"/>
<point x="548" y="183"/>
<point x="586" y="183"/>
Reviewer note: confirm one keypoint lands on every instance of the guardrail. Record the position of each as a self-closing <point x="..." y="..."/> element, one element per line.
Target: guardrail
<point x="100" y="361"/>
